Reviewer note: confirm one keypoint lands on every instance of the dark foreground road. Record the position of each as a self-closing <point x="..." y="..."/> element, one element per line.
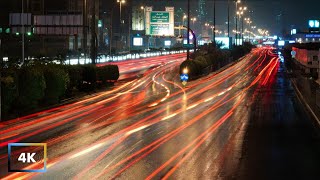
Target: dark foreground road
<point x="244" y="122"/>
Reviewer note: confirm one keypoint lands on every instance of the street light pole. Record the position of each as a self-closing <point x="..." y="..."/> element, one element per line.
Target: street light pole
<point x="84" y="19"/>
<point x="188" y="40"/>
<point x="242" y="31"/>
<point x="22" y="30"/>
<point x="228" y="18"/>
<point x="120" y="6"/>
<point x="111" y="32"/>
<point x="1" y="59"/>
<point x="214" y="22"/>
<point x="236" y="36"/>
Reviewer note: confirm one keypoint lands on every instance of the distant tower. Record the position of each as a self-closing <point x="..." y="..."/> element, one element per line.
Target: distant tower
<point x="202" y="10"/>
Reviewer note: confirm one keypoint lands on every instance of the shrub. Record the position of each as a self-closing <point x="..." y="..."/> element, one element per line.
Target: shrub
<point x="210" y="58"/>
<point x="75" y="76"/>
<point x="31" y="86"/>
<point x="57" y="80"/>
<point x="9" y="87"/>
<point x="89" y="78"/>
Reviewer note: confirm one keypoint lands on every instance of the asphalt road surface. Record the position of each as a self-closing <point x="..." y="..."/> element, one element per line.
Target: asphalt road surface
<point x="244" y="122"/>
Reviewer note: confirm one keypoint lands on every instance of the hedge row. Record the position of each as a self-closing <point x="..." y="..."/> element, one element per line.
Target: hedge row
<point x="210" y="58"/>
<point x="32" y="86"/>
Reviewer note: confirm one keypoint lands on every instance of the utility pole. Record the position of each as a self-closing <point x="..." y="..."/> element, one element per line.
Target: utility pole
<point x="84" y="13"/>
<point x="129" y="29"/>
<point x="214" y="22"/>
<point x="188" y="39"/>
<point x="228" y="18"/>
<point x="1" y="58"/>
<point x="22" y="30"/>
<point x="111" y="33"/>
<point x="93" y="47"/>
<point x="242" y="37"/>
<point x="236" y="41"/>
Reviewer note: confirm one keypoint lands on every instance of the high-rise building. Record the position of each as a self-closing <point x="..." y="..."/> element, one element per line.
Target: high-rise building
<point x="52" y="27"/>
<point x="202" y="13"/>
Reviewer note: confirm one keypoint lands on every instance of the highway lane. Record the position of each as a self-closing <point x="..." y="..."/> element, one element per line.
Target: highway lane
<point x="134" y="67"/>
<point x="151" y="127"/>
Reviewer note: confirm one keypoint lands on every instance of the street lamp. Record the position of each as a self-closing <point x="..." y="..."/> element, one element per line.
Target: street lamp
<point x="244" y="9"/>
<point x="212" y="29"/>
<point x="214" y="22"/>
<point x="188" y="28"/>
<point x="121" y="2"/>
<point x="193" y="20"/>
<point x="22" y="30"/>
<point x="120" y="6"/>
<point x="236" y="36"/>
<point x="183" y="18"/>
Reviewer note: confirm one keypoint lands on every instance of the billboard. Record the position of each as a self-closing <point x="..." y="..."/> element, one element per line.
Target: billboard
<point x="314" y="25"/>
<point x="138" y="19"/>
<point x="160" y="23"/>
<point x="225" y="41"/>
<point x="137" y="41"/>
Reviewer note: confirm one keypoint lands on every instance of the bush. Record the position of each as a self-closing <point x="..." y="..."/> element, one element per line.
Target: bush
<point x="31" y="86"/>
<point x="210" y="58"/>
<point x="9" y="87"/>
<point x="107" y="75"/>
<point x="41" y="83"/>
<point x="75" y="76"/>
<point x="89" y="78"/>
<point x="57" y="80"/>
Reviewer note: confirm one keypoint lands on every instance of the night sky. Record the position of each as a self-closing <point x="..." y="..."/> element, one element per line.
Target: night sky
<point x="293" y="12"/>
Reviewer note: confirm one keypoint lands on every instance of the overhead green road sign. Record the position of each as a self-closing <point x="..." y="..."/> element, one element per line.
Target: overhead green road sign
<point x="159" y="29"/>
<point x="188" y="46"/>
<point x="160" y="17"/>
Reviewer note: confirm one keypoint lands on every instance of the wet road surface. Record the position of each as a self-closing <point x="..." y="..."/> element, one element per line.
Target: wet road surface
<point x="244" y="122"/>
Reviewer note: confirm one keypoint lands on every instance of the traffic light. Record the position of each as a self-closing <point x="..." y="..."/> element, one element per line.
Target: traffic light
<point x="17" y="33"/>
<point x="29" y="33"/>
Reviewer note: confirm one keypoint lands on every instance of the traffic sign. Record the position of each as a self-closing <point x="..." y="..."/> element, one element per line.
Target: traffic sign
<point x="184" y="77"/>
<point x="184" y="83"/>
<point x="293" y="54"/>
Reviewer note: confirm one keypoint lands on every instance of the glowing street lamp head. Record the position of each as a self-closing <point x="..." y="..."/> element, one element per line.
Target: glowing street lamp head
<point x="185" y="71"/>
<point x="121" y="1"/>
<point x="185" y="17"/>
<point x="142" y="8"/>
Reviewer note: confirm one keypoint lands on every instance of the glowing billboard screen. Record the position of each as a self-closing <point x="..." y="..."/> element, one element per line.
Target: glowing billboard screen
<point x="314" y="24"/>
<point x="137" y="41"/>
